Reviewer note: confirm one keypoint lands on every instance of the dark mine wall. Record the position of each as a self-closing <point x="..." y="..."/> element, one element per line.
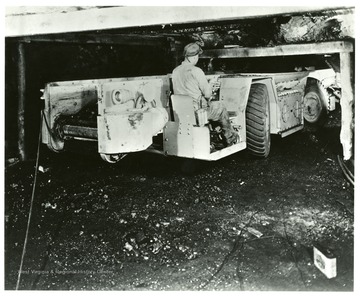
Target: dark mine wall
<point x="50" y="62"/>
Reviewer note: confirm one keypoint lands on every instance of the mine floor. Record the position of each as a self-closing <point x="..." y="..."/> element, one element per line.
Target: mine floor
<point x="142" y="224"/>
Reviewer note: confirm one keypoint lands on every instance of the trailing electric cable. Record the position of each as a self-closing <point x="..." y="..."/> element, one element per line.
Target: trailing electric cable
<point x="46" y="123"/>
<point x="52" y="134"/>
<point x="31" y="206"/>
<point x="346" y="171"/>
<point x="43" y="117"/>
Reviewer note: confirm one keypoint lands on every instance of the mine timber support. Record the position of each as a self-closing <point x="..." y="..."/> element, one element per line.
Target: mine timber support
<point x="21" y="99"/>
<point x="347" y="101"/>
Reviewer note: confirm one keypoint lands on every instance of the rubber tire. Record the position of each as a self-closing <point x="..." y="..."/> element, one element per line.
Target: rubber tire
<point x="314" y="93"/>
<point x="258" y="121"/>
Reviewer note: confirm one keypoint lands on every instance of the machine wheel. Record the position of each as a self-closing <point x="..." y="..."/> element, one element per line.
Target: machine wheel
<point x="314" y="104"/>
<point x="258" y="121"/>
<point x="112" y="158"/>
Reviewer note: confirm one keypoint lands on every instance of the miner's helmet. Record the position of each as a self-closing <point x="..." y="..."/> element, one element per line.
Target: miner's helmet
<point x="192" y="49"/>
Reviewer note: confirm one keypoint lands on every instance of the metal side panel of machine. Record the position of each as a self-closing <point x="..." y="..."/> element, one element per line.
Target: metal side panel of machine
<point x="130" y="113"/>
<point x="131" y="93"/>
<point x="234" y="93"/>
<point x="124" y="132"/>
<point x="179" y="139"/>
<point x="286" y="91"/>
<point x="186" y="140"/>
<point x="290" y="102"/>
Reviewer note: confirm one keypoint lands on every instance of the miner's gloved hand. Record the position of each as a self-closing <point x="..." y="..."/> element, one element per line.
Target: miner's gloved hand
<point x="216" y="86"/>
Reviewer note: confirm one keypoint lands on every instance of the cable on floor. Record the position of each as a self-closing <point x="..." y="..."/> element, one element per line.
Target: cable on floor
<point x="31" y="206"/>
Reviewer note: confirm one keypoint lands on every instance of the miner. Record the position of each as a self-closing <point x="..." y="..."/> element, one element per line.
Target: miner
<point x="191" y="81"/>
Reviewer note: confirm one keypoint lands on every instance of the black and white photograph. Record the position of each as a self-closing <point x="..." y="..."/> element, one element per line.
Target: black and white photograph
<point x="206" y="148"/>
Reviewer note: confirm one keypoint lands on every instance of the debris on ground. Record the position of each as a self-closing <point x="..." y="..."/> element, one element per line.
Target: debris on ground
<point x="241" y="229"/>
<point x="43" y="169"/>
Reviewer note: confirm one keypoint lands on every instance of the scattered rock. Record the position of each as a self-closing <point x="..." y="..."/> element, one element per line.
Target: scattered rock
<point x="43" y="169"/>
<point x="128" y="246"/>
<point x="49" y="205"/>
<point x="217" y="188"/>
<point x="156" y="247"/>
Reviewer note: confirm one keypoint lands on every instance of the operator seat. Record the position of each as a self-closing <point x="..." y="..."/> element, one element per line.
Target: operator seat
<point x="183" y="109"/>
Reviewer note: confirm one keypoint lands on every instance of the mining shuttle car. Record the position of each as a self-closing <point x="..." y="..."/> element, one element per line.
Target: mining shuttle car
<point x="125" y="115"/>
